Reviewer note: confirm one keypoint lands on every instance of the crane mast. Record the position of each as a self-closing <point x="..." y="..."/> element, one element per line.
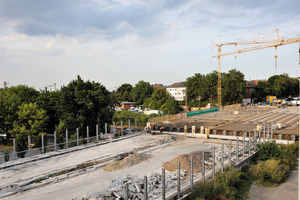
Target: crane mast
<point x="260" y="43"/>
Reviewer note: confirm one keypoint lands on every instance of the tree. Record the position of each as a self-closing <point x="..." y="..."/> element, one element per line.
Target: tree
<point x="31" y="122"/>
<point x="10" y="99"/>
<point x="171" y="106"/>
<point x="141" y="91"/>
<point x="124" y="92"/>
<point x="158" y="98"/>
<point x="85" y="103"/>
<point x="233" y="87"/>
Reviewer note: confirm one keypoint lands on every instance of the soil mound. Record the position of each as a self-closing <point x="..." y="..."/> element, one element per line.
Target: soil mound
<point x="127" y="161"/>
<point x="185" y="163"/>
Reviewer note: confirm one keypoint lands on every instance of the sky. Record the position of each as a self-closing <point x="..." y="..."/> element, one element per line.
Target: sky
<point x="125" y="41"/>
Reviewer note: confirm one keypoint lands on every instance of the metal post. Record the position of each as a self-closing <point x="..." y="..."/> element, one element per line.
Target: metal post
<point x="114" y="131"/>
<point x="192" y="172"/>
<point x="178" y="180"/>
<point x="105" y="130"/>
<point x="259" y="136"/>
<point x="268" y="130"/>
<point x="213" y="162"/>
<point x="163" y="184"/>
<point x="237" y="150"/>
<point x="43" y="150"/>
<point x="97" y="133"/>
<point x="67" y="144"/>
<point x="255" y="140"/>
<point x="264" y="133"/>
<point x="77" y="137"/>
<point x="271" y="132"/>
<point x="28" y="146"/>
<point x="244" y="146"/>
<point x="146" y="188"/>
<point x="222" y="158"/>
<point x="203" y="166"/>
<point x="121" y="127"/>
<point x="230" y="143"/>
<point x="129" y="125"/>
<point x="54" y="140"/>
<point x="135" y="125"/>
<point x="87" y="134"/>
<point x="249" y="144"/>
<point x="126" y="192"/>
<point x="14" y="143"/>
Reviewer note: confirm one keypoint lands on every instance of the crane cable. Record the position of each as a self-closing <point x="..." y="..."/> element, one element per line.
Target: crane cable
<point x="276" y="56"/>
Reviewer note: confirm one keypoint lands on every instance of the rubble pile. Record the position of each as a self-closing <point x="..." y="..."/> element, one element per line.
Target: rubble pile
<point x="136" y="188"/>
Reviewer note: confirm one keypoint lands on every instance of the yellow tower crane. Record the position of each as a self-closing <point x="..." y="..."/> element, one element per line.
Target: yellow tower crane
<point x="260" y="43"/>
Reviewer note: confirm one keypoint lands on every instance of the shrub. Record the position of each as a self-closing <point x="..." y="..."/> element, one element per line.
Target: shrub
<point x="268" y="150"/>
<point x="204" y="190"/>
<point x="269" y="172"/>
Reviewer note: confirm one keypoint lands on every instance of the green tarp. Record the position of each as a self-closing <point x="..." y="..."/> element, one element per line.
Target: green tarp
<point x="199" y="112"/>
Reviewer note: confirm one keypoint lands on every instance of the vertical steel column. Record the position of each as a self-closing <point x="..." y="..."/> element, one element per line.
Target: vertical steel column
<point x="14" y="144"/>
<point x="163" y="184"/>
<point x="192" y="172"/>
<point x="54" y="140"/>
<point x="114" y="131"/>
<point x="28" y="146"/>
<point x="145" y="188"/>
<point x="237" y="150"/>
<point x="259" y="136"/>
<point x="271" y="132"/>
<point x="178" y="181"/>
<point x="77" y="136"/>
<point x="43" y="150"/>
<point x="213" y="161"/>
<point x="97" y="133"/>
<point x="222" y="158"/>
<point x="203" y="166"/>
<point x="264" y="134"/>
<point x="121" y="127"/>
<point x="126" y="192"/>
<point x="249" y="144"/>
<point x="244" y="146"/>
<point x="87" y="135"/>
<point x="67" y="144"/>
<point x="230" y="143"/>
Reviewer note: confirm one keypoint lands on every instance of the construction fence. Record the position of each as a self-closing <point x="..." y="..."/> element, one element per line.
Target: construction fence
<point x="157" y="120"/>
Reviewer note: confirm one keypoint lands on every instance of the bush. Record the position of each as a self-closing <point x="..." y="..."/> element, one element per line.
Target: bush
<point x="269" y="172"/>
<point x="268" y="150"/>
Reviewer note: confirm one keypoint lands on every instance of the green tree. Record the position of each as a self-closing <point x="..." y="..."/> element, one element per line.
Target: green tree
<point x="141" y="91"/>
<point x="158" y="98"/>
<point x="31" y="121"/>
<point x="124" y="92"/>
<point x="233" y="87"/>
<point x="171" y="106"/>
<point x="85" y="103"/>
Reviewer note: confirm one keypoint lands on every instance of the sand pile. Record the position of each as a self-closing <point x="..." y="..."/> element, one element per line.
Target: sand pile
<point x="185" y="162"/>
<point x="127" y="161"/>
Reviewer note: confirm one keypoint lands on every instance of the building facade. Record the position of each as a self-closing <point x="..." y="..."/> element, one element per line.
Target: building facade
<point x="177" y="90"/>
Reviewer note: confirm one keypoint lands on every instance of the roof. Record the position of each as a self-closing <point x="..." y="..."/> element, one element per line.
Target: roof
<point x="251" y="84"/>
<point x="127" y="102"/>
<point x="159" y="86"/>
<point x="176" y="85"/>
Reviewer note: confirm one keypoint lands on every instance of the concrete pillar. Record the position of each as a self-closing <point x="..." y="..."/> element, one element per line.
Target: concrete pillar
<point x="67" y="142"/>
<point x="271" y="132"/>
<point x="14" y="145"/>
<point x="54" y="140"/>
<point x="126" y="192"/>
<point x="255" y="136"/>
<point x="105" y="130"/>
<point x="224" y="132"/>
<point x="203" y="166"/>
<point x="178" y="181"/>
<point x="202" y="131"/>
<point x="145" y="188"/>
<point x="249" y="144"/>
<point x="185" y="130"/>
<point x="222" y="158"/>
<point x="237" y="150"/>
<point x="244" y="146"/>
<point x="43" y="150"/>
<point x="234" y="133"/>
<point x="114" y="129"/>
<point x="194" y="131"/>
<point x="77" y="136"/>
<point x="230" y="143"/>
<point x="28" y="146"/>
<point x="97" y="133"/>
<point x="87" y="135"/>
<point x="213" y="161"/>
<point x="207" y="132"/>
<point x="192" y="173"/>
<point x="268" y="130"/>
<point x="215" y="132"/>
<point x="163" y="184"/>
<point x="121" y="128"/>
<point x="259" y="136"/>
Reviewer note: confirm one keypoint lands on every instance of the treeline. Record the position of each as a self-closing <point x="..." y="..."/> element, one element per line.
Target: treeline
<point x="281" y="86"/>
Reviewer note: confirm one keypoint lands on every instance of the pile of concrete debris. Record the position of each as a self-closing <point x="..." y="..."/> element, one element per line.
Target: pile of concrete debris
<point x="136" y="188"/>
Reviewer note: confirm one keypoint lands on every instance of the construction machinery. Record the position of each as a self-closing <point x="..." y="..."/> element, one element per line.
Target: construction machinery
<point x="259" y="43"/>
